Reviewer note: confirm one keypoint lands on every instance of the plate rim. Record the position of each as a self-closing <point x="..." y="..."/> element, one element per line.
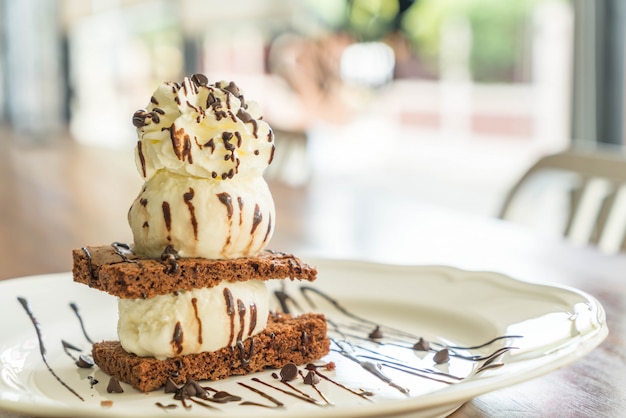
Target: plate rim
<point x="457" y="394"/>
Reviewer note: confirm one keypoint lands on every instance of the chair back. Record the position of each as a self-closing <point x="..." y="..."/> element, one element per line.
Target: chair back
<point x="595" y="190"/>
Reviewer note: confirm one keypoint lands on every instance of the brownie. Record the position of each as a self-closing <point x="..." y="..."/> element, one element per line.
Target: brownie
<point x="115" y="269"/>
<point x="286" y="339"/>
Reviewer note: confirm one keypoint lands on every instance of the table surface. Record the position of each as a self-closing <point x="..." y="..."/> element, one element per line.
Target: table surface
<point x="60" y="197"/>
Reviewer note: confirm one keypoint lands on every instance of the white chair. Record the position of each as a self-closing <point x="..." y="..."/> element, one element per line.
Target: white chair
<point x="594" y="186"/>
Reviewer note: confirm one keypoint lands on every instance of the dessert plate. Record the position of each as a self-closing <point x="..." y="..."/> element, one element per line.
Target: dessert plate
<point x="483" y="331"/>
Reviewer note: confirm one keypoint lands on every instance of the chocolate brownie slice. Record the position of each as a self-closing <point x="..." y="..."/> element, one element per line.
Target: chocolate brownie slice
<point x="286" y="339"/>
<point x="115" y="269"/>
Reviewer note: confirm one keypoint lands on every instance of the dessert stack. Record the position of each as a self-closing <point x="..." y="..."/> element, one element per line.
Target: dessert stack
<point x="192" y="295"/>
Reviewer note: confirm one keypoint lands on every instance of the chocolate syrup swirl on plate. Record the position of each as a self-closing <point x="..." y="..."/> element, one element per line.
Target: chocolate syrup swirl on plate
<point x="360" y="340"/>
<point x="42" y="348"/>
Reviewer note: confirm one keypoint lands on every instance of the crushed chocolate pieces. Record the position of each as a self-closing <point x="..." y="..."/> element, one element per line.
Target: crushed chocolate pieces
<point x="92" y="381"/>
<point x="192" y="388"/>
<point x="170" y="386"/>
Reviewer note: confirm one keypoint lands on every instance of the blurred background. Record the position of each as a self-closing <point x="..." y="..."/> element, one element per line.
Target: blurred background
<point x="445" y="101"/>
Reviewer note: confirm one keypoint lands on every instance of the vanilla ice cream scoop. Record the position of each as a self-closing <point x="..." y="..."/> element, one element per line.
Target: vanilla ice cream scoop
<point x="202" y="130"/>
<point x="202" y="150"/>
<point x="202" y="218"/>
<point x="193" y="321"/>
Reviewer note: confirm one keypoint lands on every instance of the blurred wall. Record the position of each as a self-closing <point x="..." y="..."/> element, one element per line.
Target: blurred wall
<point x="457" y="69"/>
<point x="32" y="67"/>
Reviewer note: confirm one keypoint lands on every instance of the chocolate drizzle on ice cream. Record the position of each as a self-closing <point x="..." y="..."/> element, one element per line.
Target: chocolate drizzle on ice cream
<point x="197" y="140"/>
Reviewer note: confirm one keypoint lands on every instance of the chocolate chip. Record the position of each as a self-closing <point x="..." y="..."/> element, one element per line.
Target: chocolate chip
<point x="114" y="386"/>
<point x="442" y="356"/>
<point x="200" y="79"/>
<point x="289" y="372"/>
<point x="311" y="378"/>
<point x="377" y="333"/>
<point x="84" y="362"/>
<point x="421" y="345"/>
<point x="139" y="119"/>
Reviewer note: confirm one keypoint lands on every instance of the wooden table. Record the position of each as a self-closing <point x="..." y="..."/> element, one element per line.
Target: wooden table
<point x="57" y="198"/>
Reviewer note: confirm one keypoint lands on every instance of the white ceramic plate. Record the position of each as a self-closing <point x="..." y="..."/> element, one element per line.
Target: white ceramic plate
<point x="446" y="306"/>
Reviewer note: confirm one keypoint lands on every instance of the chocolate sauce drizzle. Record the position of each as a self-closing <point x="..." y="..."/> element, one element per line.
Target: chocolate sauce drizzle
<point x="241" y="310"/>
<point x="226" y="201"/>
<point x="360" y="394"/>
<point x="42" y="348"/>
<point x="177" y="338"/>
<point x="346" y="340"/>
<point x="373" y="361"/>
<point x="142" y="158"/>
<point x="234" y="308"/>
<point x="192" y="211"/>
<point x="83" y="361"/>
<point x="256" y="219"/>
<point x="312" y="379"/>
<point x="194" y="302"/>
<point x="245" y="358"/>
<point x="276" y="402"/>
<point x="293" y="393"/>
<point x="92" y="274"/>
<point x="253" y="318"/>
<point x="181" y="144"/>
<point x="80" y="320"/>
<point x="193" y="391"/>
<point x="230" y="311"/>
<point x="167" y="217"/>
<point x="124" y="251"/>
